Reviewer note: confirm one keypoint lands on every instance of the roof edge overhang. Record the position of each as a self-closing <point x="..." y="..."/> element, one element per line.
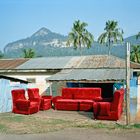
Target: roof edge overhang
<point x="13" y="79"/>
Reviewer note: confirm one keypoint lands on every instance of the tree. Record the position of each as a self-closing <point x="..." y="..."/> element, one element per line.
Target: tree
<point x="112" y="34"/>
<point x="28" y="53"/>
<point x="79" y="36"/>
<point x="138" y="35"/>
<point x="135" y="53"/>
<point x="1" y="55"/>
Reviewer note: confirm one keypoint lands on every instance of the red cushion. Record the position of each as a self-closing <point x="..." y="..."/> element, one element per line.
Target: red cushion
<point x="66" y="101"/>
<point x="66" y="104"/>
<point x="87" y="93"/>
<point x="32" y="103"/>
<point x="85" y="101"/>
<point x="22" y="104"/>
<point x="67" y="93"/>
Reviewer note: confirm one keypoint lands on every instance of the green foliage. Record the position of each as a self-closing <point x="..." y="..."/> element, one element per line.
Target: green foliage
<point x="79" y="36"/>
<point x="2" y="127"/>
<point x="1" y="55"/>
<point x="135" y="53"/>
<point x="136" y="125"/>
<point x="138" y="35"/>
<point x="112" y="34"/>
<point x="28" y="53"/>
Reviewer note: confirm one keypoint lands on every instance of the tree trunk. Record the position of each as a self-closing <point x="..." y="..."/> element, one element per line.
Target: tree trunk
<point x="80" y="46"/>
<point x="109" y="50"/>
<point x="109" y="47"/>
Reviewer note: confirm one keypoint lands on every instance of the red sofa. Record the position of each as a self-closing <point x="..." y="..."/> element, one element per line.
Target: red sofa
<point x="110" y="110"/>
<point x="21" y="105"/>
<point x="43" y="101"/>
<point x="77" y="99"/>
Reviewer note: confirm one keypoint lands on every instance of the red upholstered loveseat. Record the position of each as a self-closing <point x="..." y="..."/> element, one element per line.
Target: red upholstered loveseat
<point x="77" y="99"/>
<point x="110" y="110"/>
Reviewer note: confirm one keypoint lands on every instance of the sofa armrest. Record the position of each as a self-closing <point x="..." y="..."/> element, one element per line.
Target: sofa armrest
<point x="104" y="108"/>
<point x="54" y="99"/>
<point x="101" y="108"/>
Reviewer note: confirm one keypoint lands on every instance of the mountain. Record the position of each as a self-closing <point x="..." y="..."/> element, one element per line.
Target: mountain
<point x="48" y="43"/>
<point x="42" y="39"/>
<point x="132" y="40"/>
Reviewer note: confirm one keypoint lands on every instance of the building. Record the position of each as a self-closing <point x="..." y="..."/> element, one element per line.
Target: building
<point x="104" y="71"/>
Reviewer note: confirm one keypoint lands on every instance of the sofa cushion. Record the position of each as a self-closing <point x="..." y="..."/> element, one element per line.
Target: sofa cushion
<point x="88" y="93"/>
<point x="67" y="101"/>
<point x="66" y="104"/>
<point x="84" y="101"/>
<point x="67" y="93"/>
<point x="22" y="104"/>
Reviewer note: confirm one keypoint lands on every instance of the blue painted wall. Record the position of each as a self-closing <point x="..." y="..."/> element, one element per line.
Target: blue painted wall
<point x="5" y="94"/>
<point x="133" y="87"/>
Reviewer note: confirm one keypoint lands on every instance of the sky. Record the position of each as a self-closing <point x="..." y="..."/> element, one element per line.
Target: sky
<point x="21" y="18"/>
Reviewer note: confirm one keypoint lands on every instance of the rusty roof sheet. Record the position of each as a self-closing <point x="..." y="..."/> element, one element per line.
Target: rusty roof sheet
<point x="6" y="64"/>
<point x="101" y="61"/>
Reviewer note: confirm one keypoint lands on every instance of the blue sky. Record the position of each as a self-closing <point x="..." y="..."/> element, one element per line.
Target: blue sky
<point x="21" y="18"/>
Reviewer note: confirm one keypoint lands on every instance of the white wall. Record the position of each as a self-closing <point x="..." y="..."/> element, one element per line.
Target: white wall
<point x="40" y="81"/>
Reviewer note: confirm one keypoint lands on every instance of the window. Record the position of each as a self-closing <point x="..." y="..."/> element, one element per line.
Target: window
<point x="31" y="80"/>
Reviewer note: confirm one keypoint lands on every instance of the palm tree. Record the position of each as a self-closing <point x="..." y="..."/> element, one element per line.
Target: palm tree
<point x="28" y="53"/>
<point x="79" y="36"/>
<point x="112" y="34"/>
<point x="138" y="35"/>
<point x="135" y="53"/>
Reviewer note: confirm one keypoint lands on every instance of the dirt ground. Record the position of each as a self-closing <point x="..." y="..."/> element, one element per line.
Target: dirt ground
<point x="77" y="134"/>
<point x="62" y="125"/>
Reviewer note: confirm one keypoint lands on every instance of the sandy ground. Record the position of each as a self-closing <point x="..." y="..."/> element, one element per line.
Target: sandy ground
<point x="77" y="134"/>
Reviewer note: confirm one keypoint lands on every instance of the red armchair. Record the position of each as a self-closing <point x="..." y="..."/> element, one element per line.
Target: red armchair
<point x="21" y="105"/>
<point x="43" y="101"/>
<point x="110" y="110"/>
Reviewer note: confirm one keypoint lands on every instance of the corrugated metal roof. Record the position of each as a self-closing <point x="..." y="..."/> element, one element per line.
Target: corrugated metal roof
<point x="67" y="62"/>
<point x="11" y="63"/>
<point x="101" y="61"/>
<point x="93" y="61"/>
<point x="46" y="63"/>
<point x="89" y="75"/>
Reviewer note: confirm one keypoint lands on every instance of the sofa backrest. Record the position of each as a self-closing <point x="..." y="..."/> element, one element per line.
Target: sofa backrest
<point x="68" y="93"/>
<point x="33" y="93"/>
<point x="18" y="94"/>
<point x="117" y="102"/>
<point x="81" y="93"/>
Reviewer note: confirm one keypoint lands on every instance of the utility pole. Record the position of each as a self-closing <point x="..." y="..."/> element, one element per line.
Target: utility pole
<point x="128" y="83"/>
